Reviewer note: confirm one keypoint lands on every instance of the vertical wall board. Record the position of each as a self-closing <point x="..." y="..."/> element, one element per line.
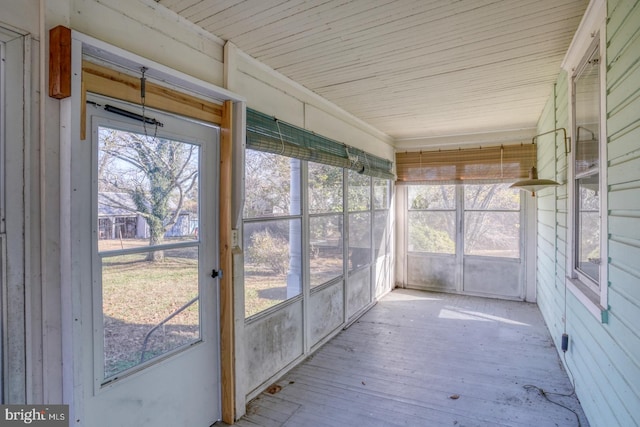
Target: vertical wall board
<point x="326" y="311"/>
<point x="152" y="32"/>
<point x="13" y="296"/>
<point x="358" y="291"/>
<point x="270" y="101"/>
<point x="272" y="342"/>
<point x="24" y="17"/>
<point x="226" y="291"/>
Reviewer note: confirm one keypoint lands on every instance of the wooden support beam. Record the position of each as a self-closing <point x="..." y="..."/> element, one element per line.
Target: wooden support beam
<point x="60" y="62"/>
<point x="227" y="334"/>
<point x="114" y="84"/>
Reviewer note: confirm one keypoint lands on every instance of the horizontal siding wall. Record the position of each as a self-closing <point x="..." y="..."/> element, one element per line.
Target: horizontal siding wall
<point x="552" y="211"/>
<point x="621" y="337"/>
<point x="604" y="358"/>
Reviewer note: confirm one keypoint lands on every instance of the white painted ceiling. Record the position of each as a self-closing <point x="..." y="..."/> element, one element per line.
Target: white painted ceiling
<point x="410" y="68"/>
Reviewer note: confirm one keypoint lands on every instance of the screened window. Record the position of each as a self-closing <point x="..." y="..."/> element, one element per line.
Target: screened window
<point x="148" y="247"/>
<point x="359" y="202"/>
<point x="303" y="192"/>
<point x="432" y="218"/>
<point x="381" y="232"/>
<point x="492" y="220"/>
<point x="587" y="164"/>
<point x="359" y="192"/>
<point x="325" y="193"/>
<point x="272" y="230"/>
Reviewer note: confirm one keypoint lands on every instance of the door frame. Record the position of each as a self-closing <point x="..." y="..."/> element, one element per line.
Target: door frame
<point x="16" y="349"/>
<point x="76" y="300"/>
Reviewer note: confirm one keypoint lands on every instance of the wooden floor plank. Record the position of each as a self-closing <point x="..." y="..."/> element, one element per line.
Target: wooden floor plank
<point x="427" y="359"/>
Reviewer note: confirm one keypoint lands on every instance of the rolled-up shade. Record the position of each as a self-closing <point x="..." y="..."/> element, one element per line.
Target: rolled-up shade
<point x="471" y="165"/>
<point x="266" y="133"/>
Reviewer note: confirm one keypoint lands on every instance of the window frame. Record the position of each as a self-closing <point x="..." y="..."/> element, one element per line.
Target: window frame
<point x="355" y="213"/>
<point x="576" y="271"/>
<point x="377" y="210"/>
<point x="591" y="35"/>
<point x="324" y="214"/>
<point x="456" y="218"/>
<point x="300" y="217"/>
<point x="305" y="216"/>
<point x="520" y="213"/>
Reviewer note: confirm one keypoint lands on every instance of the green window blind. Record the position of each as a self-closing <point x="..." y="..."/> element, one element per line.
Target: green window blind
<point x="266" y="133"/>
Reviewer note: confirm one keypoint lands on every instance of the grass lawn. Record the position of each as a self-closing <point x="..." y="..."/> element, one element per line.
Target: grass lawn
<point x="137" y="295"/>
<point x="263" y="288"/>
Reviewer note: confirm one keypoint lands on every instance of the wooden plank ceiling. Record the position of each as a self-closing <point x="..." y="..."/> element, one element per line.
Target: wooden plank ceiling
<point x="410" y="68"/>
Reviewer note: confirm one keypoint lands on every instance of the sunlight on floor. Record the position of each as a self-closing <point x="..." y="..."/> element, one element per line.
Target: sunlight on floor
<point x="475" y="315"/>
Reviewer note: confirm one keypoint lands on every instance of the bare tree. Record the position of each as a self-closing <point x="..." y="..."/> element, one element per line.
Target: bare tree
<point x="158" y="175"/>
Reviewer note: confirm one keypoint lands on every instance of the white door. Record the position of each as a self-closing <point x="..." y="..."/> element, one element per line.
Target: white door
<point x="465" y="239"/>
<point x="154" y="304"/>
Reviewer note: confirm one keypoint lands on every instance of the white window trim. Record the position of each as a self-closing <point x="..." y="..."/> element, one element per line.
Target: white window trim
<point x="593" y="24"/>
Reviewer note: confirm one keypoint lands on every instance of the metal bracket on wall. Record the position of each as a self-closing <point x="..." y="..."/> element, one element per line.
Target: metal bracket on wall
<point x="567" y="145"/>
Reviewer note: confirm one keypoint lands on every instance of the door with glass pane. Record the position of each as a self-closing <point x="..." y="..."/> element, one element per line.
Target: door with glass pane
<point x="432" y="258"/>
<point x="465" y="239"/>
<point x="492" y="239"/>
<point x="155" y="340"/>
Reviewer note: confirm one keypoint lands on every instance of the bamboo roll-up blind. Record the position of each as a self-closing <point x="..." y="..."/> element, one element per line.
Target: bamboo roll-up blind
<point x="485" y="164"/>
<point x="266" y="133"/>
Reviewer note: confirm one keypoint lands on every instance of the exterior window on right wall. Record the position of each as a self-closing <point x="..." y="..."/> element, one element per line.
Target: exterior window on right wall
<point x="587" y="173"/>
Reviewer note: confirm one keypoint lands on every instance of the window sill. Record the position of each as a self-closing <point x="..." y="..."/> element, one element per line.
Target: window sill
<point x="588" y="298"/>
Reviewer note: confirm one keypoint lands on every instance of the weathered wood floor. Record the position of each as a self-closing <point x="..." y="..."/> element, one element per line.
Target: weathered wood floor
<point x="427" y="359"/>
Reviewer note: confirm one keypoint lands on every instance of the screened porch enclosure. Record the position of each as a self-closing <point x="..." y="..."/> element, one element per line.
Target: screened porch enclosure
<point x="317" y="236"/>
<point x="461" y="227"/>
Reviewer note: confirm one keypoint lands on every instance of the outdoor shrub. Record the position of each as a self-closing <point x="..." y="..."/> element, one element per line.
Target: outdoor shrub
<point x="270" y="251"/>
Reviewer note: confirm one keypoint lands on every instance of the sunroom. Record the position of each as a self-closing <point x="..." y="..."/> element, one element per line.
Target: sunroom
<point x="197" y="196"/>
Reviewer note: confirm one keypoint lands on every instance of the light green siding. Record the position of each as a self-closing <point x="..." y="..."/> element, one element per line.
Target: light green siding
<point x="604" y="358"/>
<point x="552" y="210"/>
